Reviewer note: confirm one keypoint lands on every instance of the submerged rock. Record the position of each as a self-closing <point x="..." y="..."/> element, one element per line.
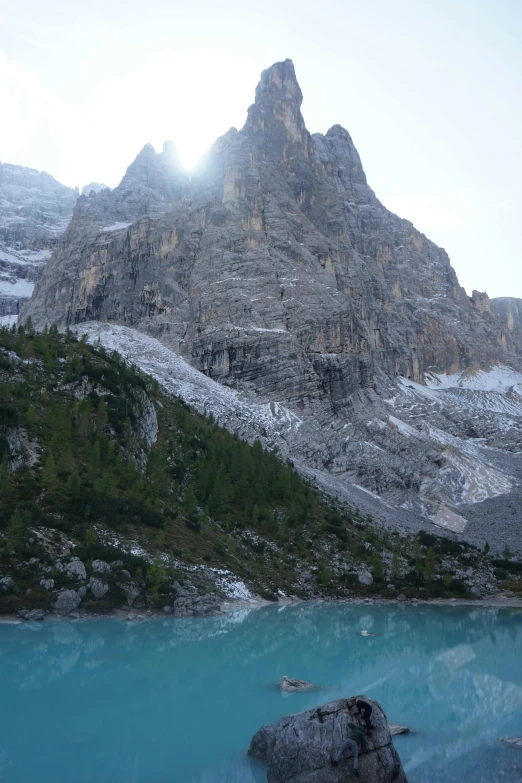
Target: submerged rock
<point x="299" y="748"/>
<point x="6" y="583"/>
<point x="290" y="684"/>
<point x="515" y="742"/>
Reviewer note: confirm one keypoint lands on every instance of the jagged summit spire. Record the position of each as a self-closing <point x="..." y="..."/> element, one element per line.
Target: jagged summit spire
<point x="170" y="154"/>
<point x="162" y="171"/>
<point x="275" y="121"/>
<point x="279" y="82"/>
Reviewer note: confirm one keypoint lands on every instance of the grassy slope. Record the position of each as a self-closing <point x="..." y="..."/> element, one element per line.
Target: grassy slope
<point x="76" y="464"/>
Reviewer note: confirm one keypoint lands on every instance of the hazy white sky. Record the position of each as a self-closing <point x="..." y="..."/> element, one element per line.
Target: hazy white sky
<point x="430" y="91"/>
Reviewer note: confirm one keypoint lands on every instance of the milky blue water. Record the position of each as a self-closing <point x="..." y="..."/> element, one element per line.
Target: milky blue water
<point x="106" y="701"/>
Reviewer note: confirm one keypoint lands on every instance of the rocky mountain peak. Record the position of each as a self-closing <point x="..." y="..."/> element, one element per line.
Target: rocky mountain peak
<point x="169" y="150"/>
<point x="279" y="84"/>
<point x="275" y="121"/>
<point x="337" y="131"/>
<point x="160" y="172"/>
<point x="480" y="300"/>
<point x="141" y="167"/>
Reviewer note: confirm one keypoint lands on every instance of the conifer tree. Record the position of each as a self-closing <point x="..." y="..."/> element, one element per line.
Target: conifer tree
<point x="49" y="474"/>
<point x="17" y="531"/>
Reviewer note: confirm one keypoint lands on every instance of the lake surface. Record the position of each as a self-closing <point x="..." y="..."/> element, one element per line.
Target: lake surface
<point x="107" y="701"/>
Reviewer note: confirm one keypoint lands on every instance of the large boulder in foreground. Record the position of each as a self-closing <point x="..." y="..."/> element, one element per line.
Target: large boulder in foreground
<point x="299" y="747"/>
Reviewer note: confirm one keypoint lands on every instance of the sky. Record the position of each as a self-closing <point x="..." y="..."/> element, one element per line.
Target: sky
<point x="430" y="91"/>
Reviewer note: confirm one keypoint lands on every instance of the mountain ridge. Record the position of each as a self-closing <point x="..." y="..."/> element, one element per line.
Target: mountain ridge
<point x="276" y="270"/>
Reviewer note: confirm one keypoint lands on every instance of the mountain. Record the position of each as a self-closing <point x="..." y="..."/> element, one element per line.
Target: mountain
<point x="35" y="210"/>
<point x="159" y="505"/>
<point x="275" y="270"/>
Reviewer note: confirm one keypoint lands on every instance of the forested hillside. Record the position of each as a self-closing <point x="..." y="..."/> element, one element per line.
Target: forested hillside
<point x="96" y="462"/>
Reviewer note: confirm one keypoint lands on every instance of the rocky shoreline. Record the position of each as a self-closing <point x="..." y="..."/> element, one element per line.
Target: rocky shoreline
<point x="139" y="615"/>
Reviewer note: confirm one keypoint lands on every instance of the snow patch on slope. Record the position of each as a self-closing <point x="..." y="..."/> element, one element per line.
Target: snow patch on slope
<point x="8" y="320"/>
<point x="118" y="226"/>
<point x="24" y="257"/>
<point x="405" y="429"/>
<point x="16" y="287"/>
<point x="499" y="379"/>
<point x="227" y="406"/>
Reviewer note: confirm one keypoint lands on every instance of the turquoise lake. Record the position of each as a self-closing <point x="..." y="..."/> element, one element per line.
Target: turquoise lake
<point x="108" y="701"/>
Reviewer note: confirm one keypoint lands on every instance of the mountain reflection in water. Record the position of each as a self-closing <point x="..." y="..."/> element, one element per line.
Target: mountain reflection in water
<point x="178" y="700"/>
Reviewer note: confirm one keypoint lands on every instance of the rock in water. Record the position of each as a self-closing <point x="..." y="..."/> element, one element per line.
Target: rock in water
<point x="290" y="684"/>
<point x="515" y="742"/>
<point x="396" y="728"/>
<point x="299" y="747"/>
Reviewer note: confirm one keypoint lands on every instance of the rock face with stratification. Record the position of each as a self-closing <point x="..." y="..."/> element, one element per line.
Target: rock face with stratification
<point x="275" y="267"/>
<point x="276" y="271"/>
<point x="509" y="310"/>
<point x="34" y="212"/>
<point x="299" y="747"/>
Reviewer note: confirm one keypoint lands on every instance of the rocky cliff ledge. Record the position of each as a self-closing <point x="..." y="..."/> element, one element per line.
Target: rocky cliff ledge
<point x="299" y="748"/>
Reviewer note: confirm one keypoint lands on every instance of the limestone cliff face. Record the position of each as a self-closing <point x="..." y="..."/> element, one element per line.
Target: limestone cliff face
<point x="509" y="310"/>
<point x="34" y="207"/>
<point x="275" y="267"/>
<point x="34" y="212"/>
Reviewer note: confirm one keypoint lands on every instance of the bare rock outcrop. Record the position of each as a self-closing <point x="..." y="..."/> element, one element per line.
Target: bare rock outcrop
<point x="98" y="587"/>
<point x="67" y="601"/>
<point x="34" y="212"/>
<point x="509" y="310"/>
<point x="299" y="748"/>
